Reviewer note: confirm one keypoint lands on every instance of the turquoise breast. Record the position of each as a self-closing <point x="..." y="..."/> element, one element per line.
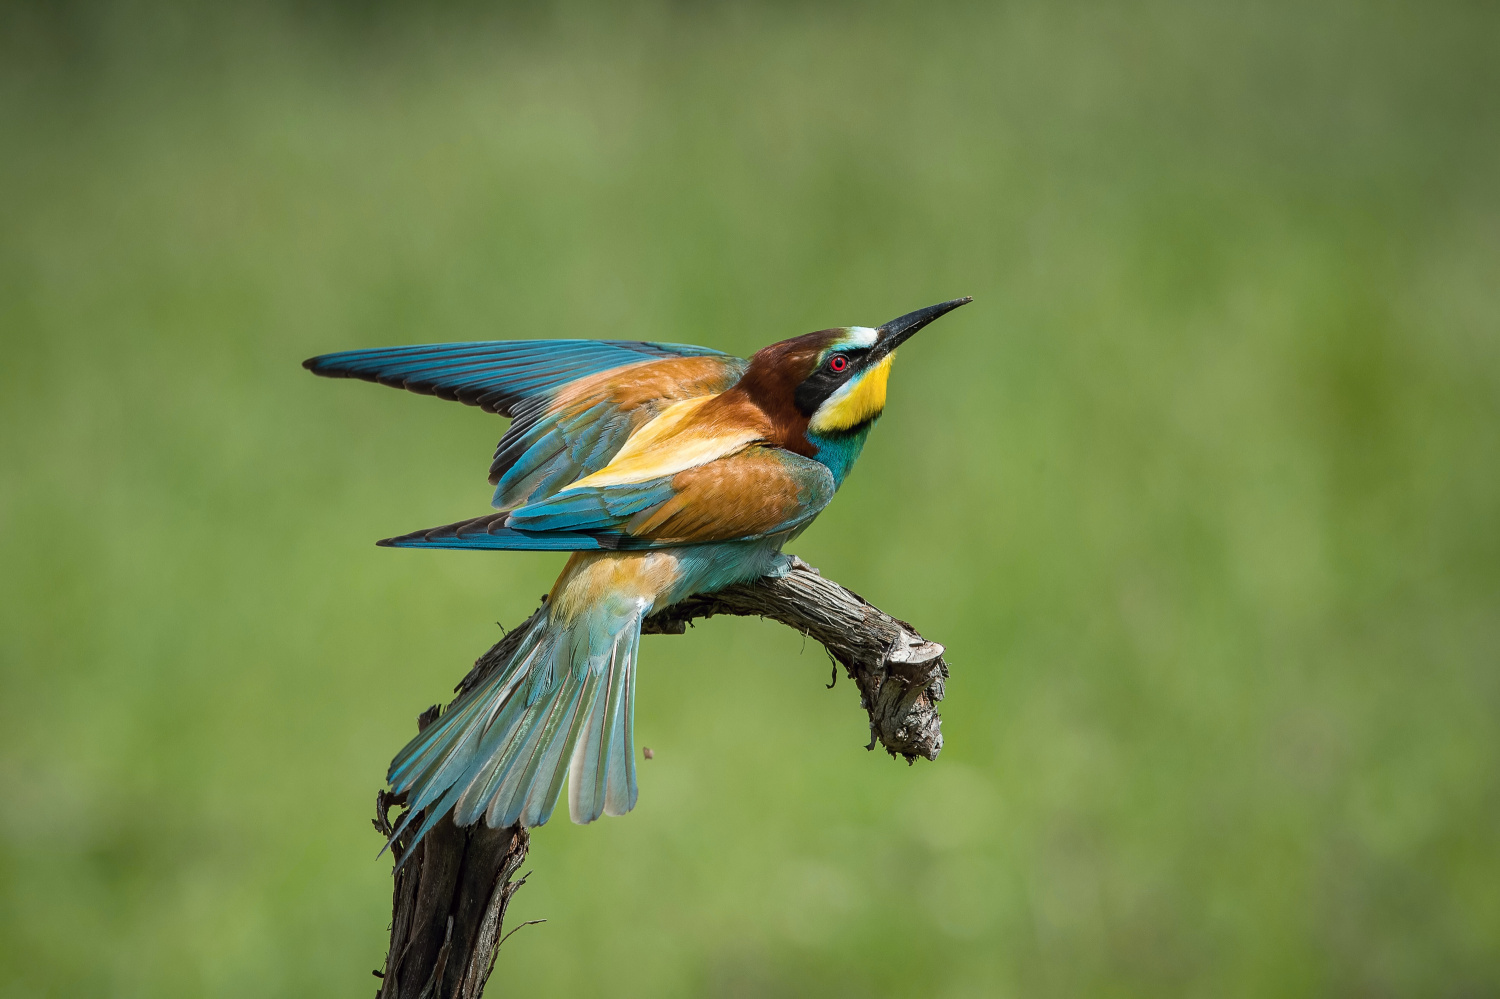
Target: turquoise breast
<point x="839" y="451"/>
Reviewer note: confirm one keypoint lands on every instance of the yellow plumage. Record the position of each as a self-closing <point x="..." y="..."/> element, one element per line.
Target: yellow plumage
<point x="858" y="401"/>
<point x="669" y="444"/>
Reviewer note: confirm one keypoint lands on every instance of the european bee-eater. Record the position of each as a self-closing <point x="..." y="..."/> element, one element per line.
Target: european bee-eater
<point x="668" y="470"/>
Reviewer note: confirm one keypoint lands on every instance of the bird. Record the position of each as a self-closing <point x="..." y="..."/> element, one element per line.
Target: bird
<point x="667" y="470"/>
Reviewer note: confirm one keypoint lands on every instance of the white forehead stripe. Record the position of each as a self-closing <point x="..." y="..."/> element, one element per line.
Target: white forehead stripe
<point x="860" y="336"/>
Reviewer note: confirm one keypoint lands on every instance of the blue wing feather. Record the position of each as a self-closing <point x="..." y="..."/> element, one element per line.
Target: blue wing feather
<point x="605" y="517"/>
<point x="554" y="439"/>
<point x="598" y="508"/>
<point x="489" y="533"/>
<point x="542" y="450"/>
<point x="601" y="518"/>
<point x="495" y="375"/>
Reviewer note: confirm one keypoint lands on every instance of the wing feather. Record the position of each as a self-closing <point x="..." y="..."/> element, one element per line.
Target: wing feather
<point x="495" y="375"/>
<point x="580" y="431"/>
<point x="758" y="492"/>
<point x="754" y="492"/>
<point x="573" y="403"/>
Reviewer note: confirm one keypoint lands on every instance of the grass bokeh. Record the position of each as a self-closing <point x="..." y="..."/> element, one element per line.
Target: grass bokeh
<point x="1202" y="493"/>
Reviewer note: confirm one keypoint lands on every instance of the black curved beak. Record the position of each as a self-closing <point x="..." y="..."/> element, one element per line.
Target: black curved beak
<point x="896" y="332"/>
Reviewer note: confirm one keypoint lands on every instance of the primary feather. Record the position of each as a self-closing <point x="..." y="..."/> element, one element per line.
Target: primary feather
<point x="494" y="375"/>
<point x="573" y="403"/>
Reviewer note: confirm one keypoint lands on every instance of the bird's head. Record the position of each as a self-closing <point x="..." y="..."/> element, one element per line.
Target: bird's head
<point x="836" y="378"/>
<point x="824" y="389"/>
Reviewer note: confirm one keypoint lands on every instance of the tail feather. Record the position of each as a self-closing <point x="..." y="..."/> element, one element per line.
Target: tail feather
<point x="439" y="764"/>
<point x="552" y="766"/>
<point x="515" y="770"/>
<point x="585" y="792"/>
<point x="438" y="756"/>
<point x="562" y="708"/>
<point x="619" y="759"/>
<point x="521" y="771"/>
<point x="492" y="757"/>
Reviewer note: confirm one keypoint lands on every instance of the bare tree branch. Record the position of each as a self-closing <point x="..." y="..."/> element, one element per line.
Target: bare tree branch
<point x="450" y="898"/>
<point x="899" y="673"/>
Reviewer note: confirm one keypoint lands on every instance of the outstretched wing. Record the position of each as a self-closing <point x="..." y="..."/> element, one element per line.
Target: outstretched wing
<point x="573" y="402"/>
<point x="756" y="492"/>
<point x="495" y="375"/>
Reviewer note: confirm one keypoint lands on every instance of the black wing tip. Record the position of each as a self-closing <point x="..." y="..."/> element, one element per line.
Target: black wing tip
<point x="322" y="366"/>
<point x="422" y="539"/>
<point x="414" y="540"/>
<point x="489" y="400"/>
<point x="458" y="531"/>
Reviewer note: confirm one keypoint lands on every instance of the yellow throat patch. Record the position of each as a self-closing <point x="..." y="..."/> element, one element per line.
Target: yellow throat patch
<point x="855" y="402"/>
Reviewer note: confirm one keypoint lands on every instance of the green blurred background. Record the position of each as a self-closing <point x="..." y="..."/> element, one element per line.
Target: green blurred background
<point x="1202" y="493"/>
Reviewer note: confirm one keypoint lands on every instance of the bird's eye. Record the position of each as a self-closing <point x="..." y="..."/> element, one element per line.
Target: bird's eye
<point x="838" y="363"/>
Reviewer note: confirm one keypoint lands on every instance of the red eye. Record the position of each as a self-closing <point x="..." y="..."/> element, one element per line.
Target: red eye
<point x="837" y="363"/>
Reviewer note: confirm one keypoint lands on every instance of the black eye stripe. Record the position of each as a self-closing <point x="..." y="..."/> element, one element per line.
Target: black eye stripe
<point x="828" y="377"/>
<point x="850" y="355"/>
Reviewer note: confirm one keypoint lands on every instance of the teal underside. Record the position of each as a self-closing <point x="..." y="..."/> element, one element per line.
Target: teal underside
<point x="840" y="451"/>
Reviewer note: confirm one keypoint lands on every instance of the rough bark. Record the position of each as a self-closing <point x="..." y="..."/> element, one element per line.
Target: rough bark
<point x="451" y="894"/>
<point x="899" y="673"/>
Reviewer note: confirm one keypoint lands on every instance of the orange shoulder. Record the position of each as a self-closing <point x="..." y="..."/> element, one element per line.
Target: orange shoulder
<point x="636" y="385"/>
<point x="758" y="491"/>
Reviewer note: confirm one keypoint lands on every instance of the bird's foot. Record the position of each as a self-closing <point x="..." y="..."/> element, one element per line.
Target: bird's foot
<point x="781" y="566"/>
